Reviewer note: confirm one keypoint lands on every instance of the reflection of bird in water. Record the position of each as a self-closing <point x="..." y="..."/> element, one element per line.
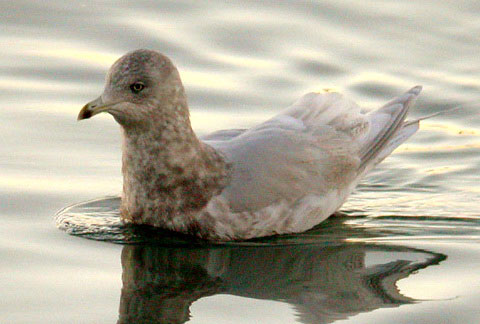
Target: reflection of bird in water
<point x="282" y="176"/>
<point x="324" y="283"/>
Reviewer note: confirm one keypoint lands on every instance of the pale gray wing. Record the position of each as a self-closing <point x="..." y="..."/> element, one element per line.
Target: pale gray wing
<point x="323" y="142"/>
<point x="377" y="132"/>
<point x="223" y="135"/>
<point x="388" y="128"/>
<point x="298" y="152"/>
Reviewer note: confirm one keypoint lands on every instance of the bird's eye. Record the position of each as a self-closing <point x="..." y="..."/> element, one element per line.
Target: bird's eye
<point x="137" y="87"/>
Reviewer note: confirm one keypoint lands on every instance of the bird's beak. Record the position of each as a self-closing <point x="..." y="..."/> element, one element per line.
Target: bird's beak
<point x="92" y="108"/>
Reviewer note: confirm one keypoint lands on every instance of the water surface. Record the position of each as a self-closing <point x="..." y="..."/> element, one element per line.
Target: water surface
<point x="405" y="248"/>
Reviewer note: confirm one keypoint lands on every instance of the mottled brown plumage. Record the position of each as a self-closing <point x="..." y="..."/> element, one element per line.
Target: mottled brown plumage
<point x="167" y="172"/>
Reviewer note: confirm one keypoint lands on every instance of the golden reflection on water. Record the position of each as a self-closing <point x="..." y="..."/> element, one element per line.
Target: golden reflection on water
<point x="438" y="148"/>
<point x="450" y="132"/>
<point x="212" y="81"/>
<point x="48" y="183"/>
<point x="92" y="57"/>
<point x="449" y="129"/>
<point x="57" y="49"/>
<point x="445" y="169"/>
<point x="43" y="85"/>
<point x="451" y="78"/>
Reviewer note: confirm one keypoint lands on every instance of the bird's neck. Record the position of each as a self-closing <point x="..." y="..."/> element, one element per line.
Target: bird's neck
<point x="168" y="173"/>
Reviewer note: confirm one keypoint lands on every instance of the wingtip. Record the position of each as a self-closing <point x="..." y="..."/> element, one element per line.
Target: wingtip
<point x="416" y="90"/>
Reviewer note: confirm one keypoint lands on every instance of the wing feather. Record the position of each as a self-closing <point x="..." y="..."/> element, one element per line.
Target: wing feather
<point x="389" y="121"/>
<point x="308" y="149"/>
<point x="320" y="144"/>
<point x="223" y="135"/>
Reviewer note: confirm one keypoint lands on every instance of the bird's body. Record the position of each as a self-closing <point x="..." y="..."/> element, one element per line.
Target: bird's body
<point x="285" y="175"/>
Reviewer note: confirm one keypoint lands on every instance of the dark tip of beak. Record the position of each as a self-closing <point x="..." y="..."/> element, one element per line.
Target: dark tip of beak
<point x="85" y="113"/>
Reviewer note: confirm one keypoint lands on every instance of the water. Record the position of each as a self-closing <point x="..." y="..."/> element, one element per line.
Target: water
<point x="404" y="250"/>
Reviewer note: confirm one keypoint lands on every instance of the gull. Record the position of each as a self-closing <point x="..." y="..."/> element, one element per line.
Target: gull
<point x="282" y="176"/>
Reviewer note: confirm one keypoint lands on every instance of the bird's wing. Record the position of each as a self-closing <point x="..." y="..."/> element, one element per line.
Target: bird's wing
<point x="223" y="135"/>
<point x="388" y="128"/>
<point x="311" y="148"/>
<point x="323" y="142"/>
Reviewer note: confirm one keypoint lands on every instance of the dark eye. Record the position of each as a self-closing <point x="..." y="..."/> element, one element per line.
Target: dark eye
<point x="137" y="87"/>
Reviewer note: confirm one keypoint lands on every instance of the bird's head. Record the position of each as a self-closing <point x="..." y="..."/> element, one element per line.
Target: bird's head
<point x="140" y="86"/>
